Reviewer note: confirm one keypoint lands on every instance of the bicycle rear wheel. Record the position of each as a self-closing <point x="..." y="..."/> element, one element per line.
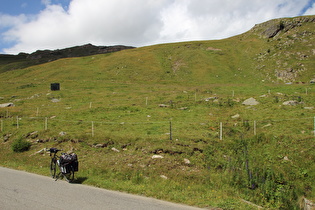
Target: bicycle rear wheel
<point x="69" y="176"/>
<point x="53" y="167"/>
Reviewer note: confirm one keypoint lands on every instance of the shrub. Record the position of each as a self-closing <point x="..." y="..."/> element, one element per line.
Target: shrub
<point x="20" y="145"/>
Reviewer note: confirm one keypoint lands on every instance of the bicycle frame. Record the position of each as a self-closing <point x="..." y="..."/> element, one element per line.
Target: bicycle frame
<point x="69" y="176"/>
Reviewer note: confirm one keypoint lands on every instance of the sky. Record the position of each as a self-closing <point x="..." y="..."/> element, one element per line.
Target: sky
<point x="30" y="25"/>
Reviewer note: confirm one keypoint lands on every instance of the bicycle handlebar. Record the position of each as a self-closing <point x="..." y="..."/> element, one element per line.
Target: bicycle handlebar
<point x="54" y="150"/>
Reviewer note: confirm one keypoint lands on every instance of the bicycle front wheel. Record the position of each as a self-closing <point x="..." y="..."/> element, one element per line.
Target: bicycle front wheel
<point x="69" y="176"/>
<point x="53" y="167"/>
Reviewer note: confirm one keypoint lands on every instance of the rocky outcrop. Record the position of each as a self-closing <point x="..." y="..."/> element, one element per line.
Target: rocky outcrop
<point x="272" y="28"/>
<point x="289" y="54"/>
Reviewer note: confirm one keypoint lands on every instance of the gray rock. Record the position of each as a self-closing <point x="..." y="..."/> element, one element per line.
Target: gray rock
<point x="273" y="30"/>
<point x="6" y="105"/>
<point x="157" y="157"/>
<point x="100" y="145"/>
<point x="163" y="105"/>
<point x="186" y="161"/>
<point x="235" y="116"/>
<point x="308" y="204"/>
<point x="250" y="102"/>
<point x="6" y="137"/>
<point x="55" y="100"/>
<point x="163" y="177"/>
<point x="309" y="108"/>
<point x="290" y="103"/>
<point x="62" y="133"/>
<point x="115" y="150"/>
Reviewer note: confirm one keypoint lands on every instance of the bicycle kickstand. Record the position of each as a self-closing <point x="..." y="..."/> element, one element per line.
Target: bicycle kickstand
<point x="57" y="177"/>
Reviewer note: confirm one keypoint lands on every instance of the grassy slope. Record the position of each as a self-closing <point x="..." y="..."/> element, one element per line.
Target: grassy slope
<point x="120" y="93"/>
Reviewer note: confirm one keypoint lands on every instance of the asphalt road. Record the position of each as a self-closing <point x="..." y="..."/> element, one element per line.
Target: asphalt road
<point x="22" y="190"/>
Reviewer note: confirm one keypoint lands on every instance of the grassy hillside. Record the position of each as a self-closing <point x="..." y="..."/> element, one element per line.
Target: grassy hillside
<point x="182" y="101"/>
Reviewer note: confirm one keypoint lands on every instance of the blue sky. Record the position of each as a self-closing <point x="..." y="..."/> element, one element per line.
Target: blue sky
<point x="30" y="25"/>
<point x="17" y="7"/>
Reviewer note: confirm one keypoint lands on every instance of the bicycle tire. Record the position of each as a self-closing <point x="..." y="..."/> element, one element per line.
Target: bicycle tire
<point x="53" y="167"/>
<point x="69" y="176"/>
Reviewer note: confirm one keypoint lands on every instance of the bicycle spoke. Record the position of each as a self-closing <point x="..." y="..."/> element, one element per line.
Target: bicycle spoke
<point x="53" y="168"/>
<point x="69" y="176"/>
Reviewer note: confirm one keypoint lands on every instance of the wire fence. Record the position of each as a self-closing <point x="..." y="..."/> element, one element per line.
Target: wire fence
<point x="167" y="128"/>
<point x="51" y="116"/>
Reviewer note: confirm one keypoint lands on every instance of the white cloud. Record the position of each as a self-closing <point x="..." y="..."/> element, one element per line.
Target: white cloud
<point x="311" y="10"/>
<point x="140" y="22"/>
<point x="10" y="21"/>
<point x="201" y="19"/>
<point x="46" y="2"/>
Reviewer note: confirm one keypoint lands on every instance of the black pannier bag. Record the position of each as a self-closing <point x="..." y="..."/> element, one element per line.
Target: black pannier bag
<point x="67" y="161"/>
<point x="75" y="165"/>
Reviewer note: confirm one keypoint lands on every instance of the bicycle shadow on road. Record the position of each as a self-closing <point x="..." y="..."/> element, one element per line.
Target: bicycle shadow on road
<point x="79" y="180"/>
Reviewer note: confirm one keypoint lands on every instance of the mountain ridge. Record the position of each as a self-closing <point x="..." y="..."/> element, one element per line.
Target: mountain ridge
<point x="44" y="56"/>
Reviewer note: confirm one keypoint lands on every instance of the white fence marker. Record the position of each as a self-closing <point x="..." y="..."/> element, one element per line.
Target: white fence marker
<point x="92" y="129"/>
<point x="171" y="138"/>
<point x="221" y="130"/>
<point x="46" y="123"/>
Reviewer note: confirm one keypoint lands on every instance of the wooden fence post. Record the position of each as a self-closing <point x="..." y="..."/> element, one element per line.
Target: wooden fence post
<point x="17" y="121"/>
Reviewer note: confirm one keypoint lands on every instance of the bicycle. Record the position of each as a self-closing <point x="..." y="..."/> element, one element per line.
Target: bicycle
<point x="65" y="170"/>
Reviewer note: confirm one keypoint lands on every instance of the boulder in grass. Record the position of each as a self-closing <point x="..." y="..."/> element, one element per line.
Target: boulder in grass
<point x="6" y="105"/>
<point x="309" y="108"/>
<point x="186" y="161"/>
<point x="235" y="116"/>
<point x="163" y="177"/>
<point x="157" y="157"/>
<point x="291" y="103"/>
<point x="250" y="102"/>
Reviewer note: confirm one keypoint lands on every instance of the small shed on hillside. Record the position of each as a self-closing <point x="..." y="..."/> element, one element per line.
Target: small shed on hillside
<point x="55" y="86"/>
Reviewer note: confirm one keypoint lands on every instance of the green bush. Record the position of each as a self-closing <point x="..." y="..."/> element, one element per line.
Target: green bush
<point x="20" y="145"/>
